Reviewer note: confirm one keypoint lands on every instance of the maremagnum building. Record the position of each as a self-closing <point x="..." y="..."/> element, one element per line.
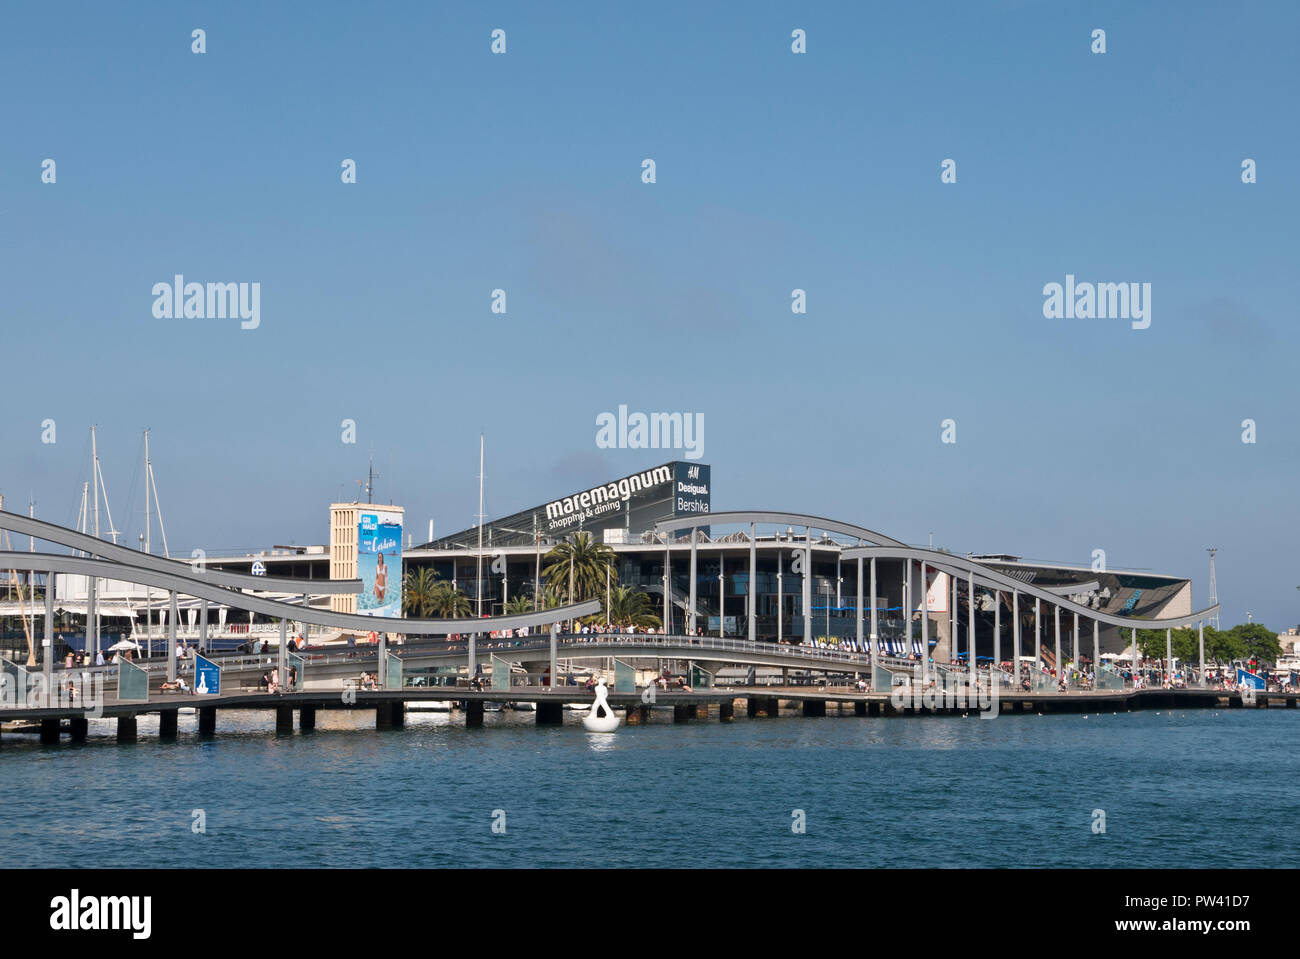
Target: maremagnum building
<point x="794" y="565"/>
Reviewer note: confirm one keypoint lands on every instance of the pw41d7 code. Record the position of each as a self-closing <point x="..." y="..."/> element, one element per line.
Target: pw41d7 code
<point x="1160" y="902"/>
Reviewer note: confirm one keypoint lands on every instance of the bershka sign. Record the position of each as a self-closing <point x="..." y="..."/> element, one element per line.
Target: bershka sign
<point x="606" y="498"/>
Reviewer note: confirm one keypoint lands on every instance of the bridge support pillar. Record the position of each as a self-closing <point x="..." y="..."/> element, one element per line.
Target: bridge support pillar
<point x="859" y="709"/>
<point x="49" y="732"/>
<point x="307" y="718"/>
<point x="1290" y="702"/>
<point x="727" y="712"/>
<point x="702" y="711"/>
<point x="167" y="722"/>
<point x="552" y="714"/>
<point x="636" y="715"/>
<point x="773" y="708"/>
<point x="682" y="714"/>
<point x="207" y="720"/>
<point x="814" y="707"/>
<point x="873" y="709"/>
<point x="751" y="707"/>
<point x="397" y="713"/>
<point x="283" y="720"/>
<point x="126" y="729"/>
<point x="473" y="713"/>
<point x="80" y="729"/>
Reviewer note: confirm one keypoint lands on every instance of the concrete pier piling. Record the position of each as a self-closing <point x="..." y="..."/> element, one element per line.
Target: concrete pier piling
<point x="207" y="721"/>
<point x="126" y="732"/>
<point x="307" y="718"/>
<point x="552" y="714"/>
<point x="168" y="720"/>
<point x="727" y="712"/>
<point x="49" y="732"/>
<point x="473" y="713"/>
<point x="283" y="720"/>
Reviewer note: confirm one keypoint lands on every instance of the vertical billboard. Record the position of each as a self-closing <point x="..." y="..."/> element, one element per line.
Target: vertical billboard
<point x="691" y="489"/>
<point x="379" y="563"/>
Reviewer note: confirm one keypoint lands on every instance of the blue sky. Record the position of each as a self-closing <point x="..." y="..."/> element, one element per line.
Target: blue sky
<point x="775" y="171"/>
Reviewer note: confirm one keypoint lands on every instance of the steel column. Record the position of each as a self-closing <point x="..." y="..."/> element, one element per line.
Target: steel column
<point x="691" y="608"/>
<point x="807" y="585"/>
<point x="860" y="612"/>
<point x="1038" y="641"/>
<point x="92" y="620"/>
<point x="1015" y="637"/>
<point x="907" y="607"/>
<point x="970" y="626"/>
<point x="1074" y="642"/>
<point x="997" y="633"/>
<point x="925" y="627"/>
<point x="48" y="642"/>
<point x="555" y="679"/>
<point x="1169" y="656"/>
<point x="283" y="658"/>
<point x="172" y="616"/>
<point x="875" y="622"/>
<point x="1200" y="627"/>
<point x="753" y="580"/>
<point x="1096" y="651"/>
<point x="1056" y="615"/>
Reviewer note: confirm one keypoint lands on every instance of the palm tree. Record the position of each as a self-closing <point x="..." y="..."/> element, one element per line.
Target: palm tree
<point x="418" y="586"/>
<point x="449" y="602"/>
<point x="629" y="606"/>
<point x="582" y="561"/>
<point x="519" y="605"/>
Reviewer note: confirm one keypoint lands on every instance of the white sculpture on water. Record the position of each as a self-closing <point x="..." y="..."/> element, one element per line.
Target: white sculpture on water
<point x="601" y="719"/>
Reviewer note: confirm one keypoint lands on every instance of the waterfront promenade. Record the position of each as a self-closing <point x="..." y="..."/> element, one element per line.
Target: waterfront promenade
<point x="388" y="706"/>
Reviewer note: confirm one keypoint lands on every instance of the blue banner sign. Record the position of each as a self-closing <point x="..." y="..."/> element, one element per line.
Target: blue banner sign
<point x="207" y="677"/>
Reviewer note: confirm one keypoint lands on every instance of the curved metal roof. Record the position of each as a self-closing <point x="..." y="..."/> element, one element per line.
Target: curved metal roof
<point x="204" y="589"/>
<point x="789" y="519"/>
<point x="74" y="539"/>
<point x="991" y="577"/>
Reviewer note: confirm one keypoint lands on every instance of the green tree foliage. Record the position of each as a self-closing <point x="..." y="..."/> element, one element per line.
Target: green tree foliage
<point x="591" y="563"/>
<point x="418" y="588"/>
<point x="629" y="606"/>
<point x="1221" y="645"/>
<point x="448" y="602"/>
<point x="519" y="605"/>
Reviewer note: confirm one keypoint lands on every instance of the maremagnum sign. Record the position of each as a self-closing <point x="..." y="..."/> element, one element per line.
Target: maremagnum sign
<point x="602" y="499"/>
<point x="633" y="503"/>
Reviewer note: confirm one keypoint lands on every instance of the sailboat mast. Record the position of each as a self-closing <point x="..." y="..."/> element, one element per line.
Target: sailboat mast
<point x="148" y="542"/>
<point x="94" y="476"/>
<point x="148" y="548"/>
<point x="479" y="585"/>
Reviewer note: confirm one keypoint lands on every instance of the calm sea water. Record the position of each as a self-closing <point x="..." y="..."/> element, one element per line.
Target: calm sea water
<point x="1178" y="789"/>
